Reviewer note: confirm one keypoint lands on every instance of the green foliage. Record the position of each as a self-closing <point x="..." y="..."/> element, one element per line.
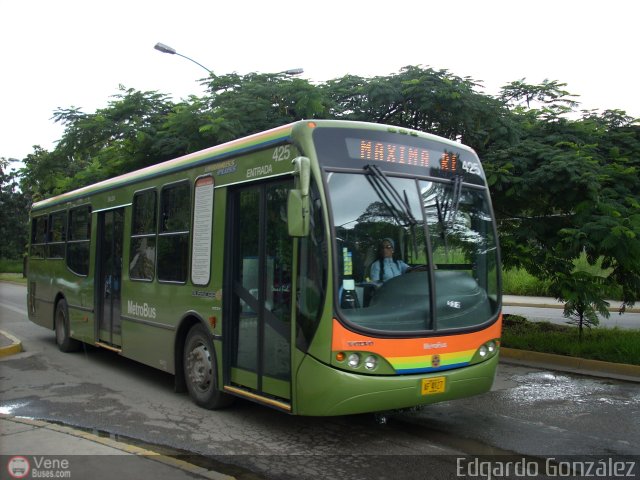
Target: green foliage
<point x="568" y="188"/>
<point x="583" y="294"/>
<point x="11" y="266"/>
<point x="605" y="344"/>
<point x="242" y="105"/>
<point x="563" y="186"/>
<point x="13" y="278"/>
<point x="424" y="99"/>
<point x="517" y="281"/>
<point x="14" y="216"/>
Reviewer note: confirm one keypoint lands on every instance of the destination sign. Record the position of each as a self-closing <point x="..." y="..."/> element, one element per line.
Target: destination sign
<point x="396" y="153"/>
<point x="368" y="150"/>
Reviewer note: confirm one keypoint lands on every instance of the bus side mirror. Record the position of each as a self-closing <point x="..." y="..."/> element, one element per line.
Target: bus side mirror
<point x="298" y="201"/>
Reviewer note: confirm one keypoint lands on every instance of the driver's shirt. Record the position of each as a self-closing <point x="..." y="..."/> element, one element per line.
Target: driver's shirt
<point x="392" y="268"/>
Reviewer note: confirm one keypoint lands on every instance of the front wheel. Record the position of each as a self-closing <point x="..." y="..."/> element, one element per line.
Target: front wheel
<point x="200" y="370"/>
<point x="61" y="323"/>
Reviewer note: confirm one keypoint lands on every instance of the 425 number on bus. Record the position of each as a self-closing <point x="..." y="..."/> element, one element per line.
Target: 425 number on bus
<point x="280" y="154"/>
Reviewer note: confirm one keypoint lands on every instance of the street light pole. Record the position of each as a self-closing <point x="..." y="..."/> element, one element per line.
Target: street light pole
<point x="167" y="49"/>
<point x="293" y="71"/>
<point x="161" y="47"/>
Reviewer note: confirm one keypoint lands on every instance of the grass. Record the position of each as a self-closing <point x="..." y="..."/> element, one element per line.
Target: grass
<point x="605" y="344"/>
<point x="10" y="266"/>
<point x="517" y="281"/>
<point x="11" y="271"/>
<point x="13" y="278"/>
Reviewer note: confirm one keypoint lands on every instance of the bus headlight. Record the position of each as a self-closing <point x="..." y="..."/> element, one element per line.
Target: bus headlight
<point x="362" y="362"/>
<point x="487" y="350"/>
<point x="354" y="360"/>
<point x="370" y="362"/>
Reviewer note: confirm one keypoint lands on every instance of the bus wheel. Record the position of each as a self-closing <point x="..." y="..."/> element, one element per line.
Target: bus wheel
<point x="61" y="322"/>
<point x="200" y="370"/>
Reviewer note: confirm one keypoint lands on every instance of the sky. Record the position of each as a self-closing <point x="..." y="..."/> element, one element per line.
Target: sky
<point x="64" y="53"/>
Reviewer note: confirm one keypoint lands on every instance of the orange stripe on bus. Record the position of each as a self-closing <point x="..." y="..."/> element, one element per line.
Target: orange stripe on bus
<point x="344" y="339"/>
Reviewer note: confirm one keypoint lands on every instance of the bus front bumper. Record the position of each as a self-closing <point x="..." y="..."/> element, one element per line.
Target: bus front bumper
<point x="326" y="391"/>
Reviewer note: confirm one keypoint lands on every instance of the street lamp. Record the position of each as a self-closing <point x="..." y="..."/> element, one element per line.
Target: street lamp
<point x="293" y="71"/>
<point x="167" y="49"/>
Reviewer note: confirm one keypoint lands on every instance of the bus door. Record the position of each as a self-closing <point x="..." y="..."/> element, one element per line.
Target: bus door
<point x="258" y="333"/>
<point x="109" y="275"/>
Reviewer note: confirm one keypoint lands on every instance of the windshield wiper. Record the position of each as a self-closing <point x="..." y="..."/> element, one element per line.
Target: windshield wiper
<point x="390" y="196"/>
<point x="448" y="210"/>
<point x="455" y="200"/>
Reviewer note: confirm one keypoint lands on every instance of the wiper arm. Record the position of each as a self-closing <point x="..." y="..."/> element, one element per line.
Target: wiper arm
<point x="448" y="210"/>
<point x="455" y="199"/>
<point x="389" y="195"/>
<point x="386" y="201"/>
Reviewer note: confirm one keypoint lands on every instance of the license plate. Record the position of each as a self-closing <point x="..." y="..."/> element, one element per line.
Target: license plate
<point x="433" y="385"/>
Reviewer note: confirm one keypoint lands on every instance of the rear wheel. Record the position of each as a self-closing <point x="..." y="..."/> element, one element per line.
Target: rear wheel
<point x="61" y="323"/>
<point x="200" y="370"/>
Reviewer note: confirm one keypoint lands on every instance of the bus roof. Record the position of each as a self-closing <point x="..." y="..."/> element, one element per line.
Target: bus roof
<point x="219" y="152"/>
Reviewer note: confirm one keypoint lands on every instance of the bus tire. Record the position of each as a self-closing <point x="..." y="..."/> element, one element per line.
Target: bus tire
<point x="200" y="370"/>
<point x="61" y="324"/>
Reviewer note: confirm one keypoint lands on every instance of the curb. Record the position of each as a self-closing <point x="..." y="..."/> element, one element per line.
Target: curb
<point x="15" y="347"/>
<point x="123" y="447"/>
<point x="583" y="366"/>
<point x="560" y="306"/>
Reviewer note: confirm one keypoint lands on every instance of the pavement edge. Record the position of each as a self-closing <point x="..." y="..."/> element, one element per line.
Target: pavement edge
<point x="597" y="368"/>
<point x="14" y="347"/>
<point x="123" y="447"/>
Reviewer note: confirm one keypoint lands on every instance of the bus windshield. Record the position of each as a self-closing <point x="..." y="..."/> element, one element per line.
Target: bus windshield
<point x="413" y="255"/>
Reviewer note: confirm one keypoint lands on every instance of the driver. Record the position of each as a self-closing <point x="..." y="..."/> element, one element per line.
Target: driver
<point x="386" y="267"/>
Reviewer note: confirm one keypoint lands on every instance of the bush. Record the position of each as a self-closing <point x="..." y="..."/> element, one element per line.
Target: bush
<point x="605" y="344"/>
<point x="10" y="266"/>
<point x="517" y="281"/>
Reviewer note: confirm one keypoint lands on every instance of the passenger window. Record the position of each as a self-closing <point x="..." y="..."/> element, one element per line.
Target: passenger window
<point x="79" y="240"/>
<point x="38" y="236"/>
<point x="142" y="257"/>
<point x="173" y="237"/>
<point x="57" y="234"/>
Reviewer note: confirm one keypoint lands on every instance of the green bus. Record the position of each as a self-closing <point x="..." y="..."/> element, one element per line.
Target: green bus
<point x="320" y="268"/>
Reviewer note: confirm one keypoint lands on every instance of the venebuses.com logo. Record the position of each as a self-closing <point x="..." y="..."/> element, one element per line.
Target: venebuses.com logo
<point x="18" y="467"/>
<point x="39" y="467"/>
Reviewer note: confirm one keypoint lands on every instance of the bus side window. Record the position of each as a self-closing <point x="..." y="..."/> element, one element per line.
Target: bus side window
<point x="142" y="258"/>
<point x="173" y="235"/>
<point x="57" y="234"/>
<point x="38" y="236"/>
<point x="79" y="240"/>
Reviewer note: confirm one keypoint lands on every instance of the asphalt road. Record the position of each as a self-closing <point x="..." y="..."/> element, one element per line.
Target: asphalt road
<point x="529" y="412"/>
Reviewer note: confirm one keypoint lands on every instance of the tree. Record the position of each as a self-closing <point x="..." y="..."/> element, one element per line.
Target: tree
<point x="562" y="186"/>
<point x="14" y="217"/>
<point x="119" y="138"/>
<point x="567" y="188"/>
<point x="425" y="99"/>
<point x="583" y="294"/>
<point x="242" y="105"/>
